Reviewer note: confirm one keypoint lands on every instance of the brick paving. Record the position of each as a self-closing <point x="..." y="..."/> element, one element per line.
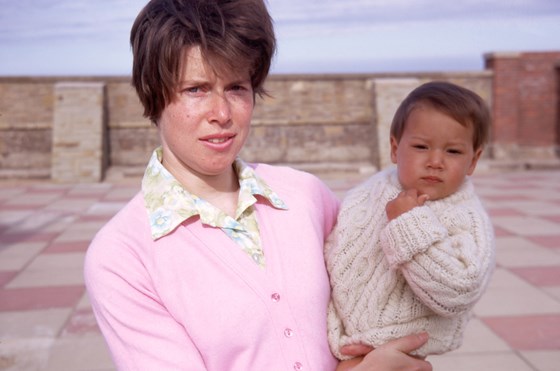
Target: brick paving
<point x="46" y="322"/>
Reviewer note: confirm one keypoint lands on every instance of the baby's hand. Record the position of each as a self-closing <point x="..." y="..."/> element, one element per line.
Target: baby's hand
<point x="405" y="201"/>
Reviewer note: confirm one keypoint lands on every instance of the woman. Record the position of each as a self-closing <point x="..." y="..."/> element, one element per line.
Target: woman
<point x="216" y="264"/>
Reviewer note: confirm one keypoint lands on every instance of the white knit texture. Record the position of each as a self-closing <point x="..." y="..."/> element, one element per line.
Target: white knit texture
<point x="423" y="271"/>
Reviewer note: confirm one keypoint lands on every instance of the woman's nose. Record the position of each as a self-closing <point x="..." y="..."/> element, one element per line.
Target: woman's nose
<point x="220" y="110"/>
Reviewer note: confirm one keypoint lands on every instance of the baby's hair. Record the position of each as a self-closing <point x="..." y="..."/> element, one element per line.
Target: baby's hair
<point x="461" y="104"/>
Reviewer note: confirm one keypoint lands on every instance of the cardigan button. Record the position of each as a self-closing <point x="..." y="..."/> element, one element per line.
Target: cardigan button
<point x="275" y="297"/>
<point x="288" y="332"/>
<point x="298" y="366"/>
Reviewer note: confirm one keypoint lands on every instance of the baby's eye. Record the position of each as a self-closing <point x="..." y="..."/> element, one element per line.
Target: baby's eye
<point x="419" y="146"/>
<point x="454" y="151"/>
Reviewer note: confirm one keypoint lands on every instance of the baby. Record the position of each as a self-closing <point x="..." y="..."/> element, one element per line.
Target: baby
<point x="413" y="248"/>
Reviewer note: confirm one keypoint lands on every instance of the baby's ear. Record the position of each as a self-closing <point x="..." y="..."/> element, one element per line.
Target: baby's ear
<point x="476" y="156"/>
<point x="394" y="146"/>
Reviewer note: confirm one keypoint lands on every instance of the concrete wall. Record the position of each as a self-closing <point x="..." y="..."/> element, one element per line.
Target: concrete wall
<point x="313" y="122"/>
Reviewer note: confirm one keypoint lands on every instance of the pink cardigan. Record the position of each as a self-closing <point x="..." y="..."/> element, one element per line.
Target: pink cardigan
<point x="193" y="300"/>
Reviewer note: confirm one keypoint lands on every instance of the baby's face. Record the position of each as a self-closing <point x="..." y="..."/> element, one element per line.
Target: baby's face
<point x="435" y="153"/>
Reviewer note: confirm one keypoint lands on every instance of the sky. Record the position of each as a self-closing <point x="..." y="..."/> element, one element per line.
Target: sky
<point x="90" y="37"/>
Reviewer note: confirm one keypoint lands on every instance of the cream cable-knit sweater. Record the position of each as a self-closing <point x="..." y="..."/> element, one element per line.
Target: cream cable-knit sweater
<point x="423" y="271"/>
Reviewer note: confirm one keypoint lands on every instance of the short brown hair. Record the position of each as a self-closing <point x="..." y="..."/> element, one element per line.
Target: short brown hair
<point x="230" y="33"/>
<point x="463" y="105"/>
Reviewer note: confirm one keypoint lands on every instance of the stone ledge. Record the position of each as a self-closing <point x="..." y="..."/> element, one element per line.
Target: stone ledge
<point x="503" y="165"/>
<point x="25" y="174"/>
<point x="361" y="169"/>
<point x="134" y="174"/>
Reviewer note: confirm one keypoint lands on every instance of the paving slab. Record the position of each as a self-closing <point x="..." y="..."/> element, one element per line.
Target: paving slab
<point x="46" y="322"/>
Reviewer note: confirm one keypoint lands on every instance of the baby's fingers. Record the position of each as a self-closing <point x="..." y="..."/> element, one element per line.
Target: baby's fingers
<point x="422" y="199"/>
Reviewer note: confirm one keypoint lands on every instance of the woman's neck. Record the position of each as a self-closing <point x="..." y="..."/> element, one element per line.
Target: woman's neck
<point x="221" y="190"/>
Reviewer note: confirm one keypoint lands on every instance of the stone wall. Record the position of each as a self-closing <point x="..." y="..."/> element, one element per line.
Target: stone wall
<point x="79" y="145"/>
<point x="26" y="120"/>
<point x="526" y="109"/>
<point x="315" y="122"/>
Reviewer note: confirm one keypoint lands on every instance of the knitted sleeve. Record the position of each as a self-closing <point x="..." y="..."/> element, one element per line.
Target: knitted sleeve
<point x="445" y="250"/>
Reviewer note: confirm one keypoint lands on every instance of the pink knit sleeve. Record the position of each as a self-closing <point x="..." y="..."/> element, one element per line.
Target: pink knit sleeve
<point x="140" y="332"/>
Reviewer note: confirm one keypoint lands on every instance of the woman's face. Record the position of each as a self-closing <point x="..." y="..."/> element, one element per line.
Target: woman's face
<point x="203" y="129"/>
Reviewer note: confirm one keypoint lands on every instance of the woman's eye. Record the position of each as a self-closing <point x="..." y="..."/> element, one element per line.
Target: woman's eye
<point x="240" y="88"/>
<point x="194" y="89"/>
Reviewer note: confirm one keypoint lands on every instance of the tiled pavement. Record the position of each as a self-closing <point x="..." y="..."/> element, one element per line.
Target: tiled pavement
<point x="46" y="322"/>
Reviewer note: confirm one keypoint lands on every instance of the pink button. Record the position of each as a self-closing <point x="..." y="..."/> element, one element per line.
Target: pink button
<point x="298" y="366"/>
<point x="275" y="297"/>
<point x="288" y="332"/>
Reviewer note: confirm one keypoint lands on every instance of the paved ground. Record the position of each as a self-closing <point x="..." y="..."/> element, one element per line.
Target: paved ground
<point x="46" y="322"/>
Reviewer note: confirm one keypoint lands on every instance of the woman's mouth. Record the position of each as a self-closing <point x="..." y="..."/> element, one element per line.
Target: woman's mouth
<point x="218" y="140"/>
<point x="219" y="143"/>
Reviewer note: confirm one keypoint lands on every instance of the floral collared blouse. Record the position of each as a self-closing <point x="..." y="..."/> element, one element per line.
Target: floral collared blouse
<point x="169" y="204"/>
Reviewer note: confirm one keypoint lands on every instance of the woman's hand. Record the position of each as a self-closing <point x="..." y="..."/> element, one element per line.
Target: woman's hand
<point x="392" y="356"/>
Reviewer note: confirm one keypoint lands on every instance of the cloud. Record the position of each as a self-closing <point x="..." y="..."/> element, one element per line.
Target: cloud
<point x="27" y="20"/>
<point x="91" y="36"/>
<point x="311" y="13"/>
